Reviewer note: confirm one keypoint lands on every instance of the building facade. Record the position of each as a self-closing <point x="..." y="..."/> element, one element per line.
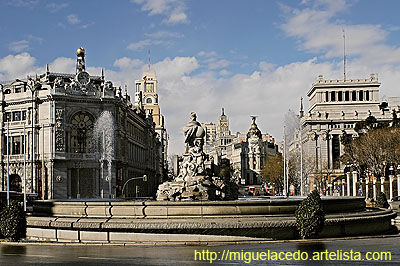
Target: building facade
<point x="48" y="137"/>
<point x="146" y="97"/>
<point x="247" y="153"/>
<point x="335" y="106"/>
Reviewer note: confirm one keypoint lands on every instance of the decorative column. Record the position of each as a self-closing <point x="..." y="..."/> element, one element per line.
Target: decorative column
<point x="383" y="184"/>
<point x="348" y="183"/>
<point x="398" y="185"/>
<point x="354" y="183"/>
<point x="391" y="187"/>
<point x="366" y="187"/>
<point x="343" y="185"/>
<point x="374" y="187"/>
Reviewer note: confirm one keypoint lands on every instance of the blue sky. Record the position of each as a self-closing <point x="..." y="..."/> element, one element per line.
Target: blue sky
<point x="253" y="57"/>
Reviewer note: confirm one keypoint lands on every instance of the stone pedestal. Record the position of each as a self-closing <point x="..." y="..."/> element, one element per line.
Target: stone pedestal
<point x="199" y="188"/>
<point x="354" y="183"/>
<point x="398" y="185"/>
<point x="391" y="187"/>
<point x="348" y="183"/>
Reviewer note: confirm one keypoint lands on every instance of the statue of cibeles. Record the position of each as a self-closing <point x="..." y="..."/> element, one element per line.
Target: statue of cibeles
<point x="194" y="133"/>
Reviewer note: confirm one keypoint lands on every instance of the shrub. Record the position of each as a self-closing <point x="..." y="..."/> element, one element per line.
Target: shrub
<point x="381" y="201"/>
<point x="13" y="221"/>
<point x="310" y="216"/>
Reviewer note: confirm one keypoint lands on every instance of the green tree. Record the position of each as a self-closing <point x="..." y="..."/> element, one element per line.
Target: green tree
<point x="310" y="216"/>
<point x="13" y="221"/>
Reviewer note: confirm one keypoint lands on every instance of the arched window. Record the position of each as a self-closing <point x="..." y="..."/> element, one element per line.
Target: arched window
<point x="148" y="100"/>
<point x="81" y="132"/>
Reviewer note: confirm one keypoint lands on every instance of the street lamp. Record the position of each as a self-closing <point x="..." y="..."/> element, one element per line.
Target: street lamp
<point x="144" y="177"/>
<point x="33" y="85"/>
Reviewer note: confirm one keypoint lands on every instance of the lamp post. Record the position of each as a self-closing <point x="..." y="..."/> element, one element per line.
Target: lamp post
<point x="144" y="177"/>
<point x="33" y="86"/>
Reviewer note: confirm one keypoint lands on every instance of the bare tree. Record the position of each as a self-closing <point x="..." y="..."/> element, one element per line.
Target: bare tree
<point x="272" y="171"/>
<point x="374" y="150"/>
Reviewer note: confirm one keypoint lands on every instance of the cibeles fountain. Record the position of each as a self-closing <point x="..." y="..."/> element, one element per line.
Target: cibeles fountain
<point x="196" y="180"/>
<point x="196" y="207"/>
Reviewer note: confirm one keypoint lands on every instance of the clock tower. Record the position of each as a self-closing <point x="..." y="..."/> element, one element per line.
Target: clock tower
<point x="146" y="97"/>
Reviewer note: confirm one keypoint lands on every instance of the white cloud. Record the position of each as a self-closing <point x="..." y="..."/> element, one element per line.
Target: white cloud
<point x="55" y="7"/>
<point x="224" y="72"/>
<point x="165" y="38"/>
<point x="142" y="44"/>
<point x="173" y="10"/>
<point x="207" y="54"/>
<point x="19" y="46"/>
<point x="127" y="63"/>
<point x="23" y="3"/>
<point x="177" y="17"/>
<point x="265" y="66"/>
<point x="63" y="65"/>
<point x="218" y="64"/>
<point x="318" y="31"/>
<point x="17" y="66"/>
<point x="73" y="19"/>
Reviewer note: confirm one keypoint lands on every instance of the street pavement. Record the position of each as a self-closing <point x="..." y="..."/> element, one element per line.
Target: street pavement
<point x="79" y="254"/>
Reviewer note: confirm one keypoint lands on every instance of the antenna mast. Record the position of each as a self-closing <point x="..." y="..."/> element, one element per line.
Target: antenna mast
<point x="344" y="55"/>
<point x="149" y="60"/>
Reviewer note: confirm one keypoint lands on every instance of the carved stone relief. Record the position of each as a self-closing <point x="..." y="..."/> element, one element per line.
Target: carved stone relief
<point x="60" y="144"/>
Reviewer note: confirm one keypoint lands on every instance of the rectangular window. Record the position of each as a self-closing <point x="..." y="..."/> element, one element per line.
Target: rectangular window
<point x="16" y="145"/>
<point x="347" y="96"/>
<point x="340" y="96"/>
<point x="149" y="87"/>
<point x="326" y="96"/>
<point x="23" y="115"/>
<point x="361" y="95"/>
<point x="8" y="117"/>
<point x="333" y="96"/>
<point x="335" y="151"/>
<point x="354" y="96"/>
<point x="16" y="116"/>
<point x="367" y="95"/>
<point x="138" y="87"/>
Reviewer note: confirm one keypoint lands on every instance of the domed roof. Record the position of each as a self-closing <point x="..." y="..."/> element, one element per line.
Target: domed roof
<point x="80" y="51"/>
<point x="254" y="131"/>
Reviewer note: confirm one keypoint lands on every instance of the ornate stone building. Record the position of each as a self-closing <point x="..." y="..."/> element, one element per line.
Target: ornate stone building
<point x="50" y="118"/>
<point x="246" y="153"/>
<point x="146" y="97"/>
<point x="249" y="153"/>
<point x="334" y="108"/>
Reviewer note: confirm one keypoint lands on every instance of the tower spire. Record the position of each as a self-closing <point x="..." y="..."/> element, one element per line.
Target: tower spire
<point x="301" y="107"/>
<point x="223" y="113"/>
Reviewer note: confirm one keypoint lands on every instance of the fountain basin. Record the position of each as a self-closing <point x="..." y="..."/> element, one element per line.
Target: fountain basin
<point x="155" y="221"/>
